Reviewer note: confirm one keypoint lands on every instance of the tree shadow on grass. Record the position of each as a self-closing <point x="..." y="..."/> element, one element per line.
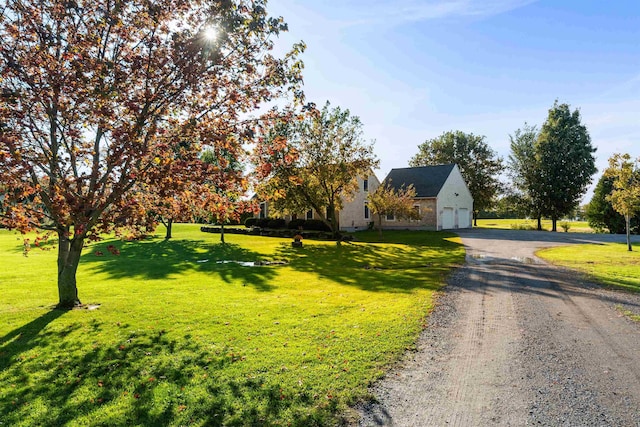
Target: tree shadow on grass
<point x="27" y="337"/>
<point x="378" y="267"/>
<point x="147" y="378"/>
<point x="434" y="239"/>
<point x="156" y="260"/>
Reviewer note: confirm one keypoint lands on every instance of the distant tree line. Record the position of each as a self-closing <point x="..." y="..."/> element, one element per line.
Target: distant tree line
<point x="550" y="168"/>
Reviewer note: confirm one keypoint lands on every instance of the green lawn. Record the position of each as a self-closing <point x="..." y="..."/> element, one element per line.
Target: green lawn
<point x="506" y="224"/>
<point x="180" y="339"/>
<point x="610" y="264"/>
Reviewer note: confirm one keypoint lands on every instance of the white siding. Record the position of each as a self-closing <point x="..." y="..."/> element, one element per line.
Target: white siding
<point x="454" y="202"/>
<point x="351" y="217"/>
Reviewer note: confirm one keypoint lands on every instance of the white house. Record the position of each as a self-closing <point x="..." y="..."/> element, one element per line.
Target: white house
<point x="442" y="200"/>
<point x="354" y="214"/>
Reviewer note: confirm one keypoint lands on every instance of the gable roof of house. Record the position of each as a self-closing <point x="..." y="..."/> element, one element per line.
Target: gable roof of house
<point x="427" y="180"/>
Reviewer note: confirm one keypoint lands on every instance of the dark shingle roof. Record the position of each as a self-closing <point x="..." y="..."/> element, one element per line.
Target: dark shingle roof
<point x="427" y="180"/>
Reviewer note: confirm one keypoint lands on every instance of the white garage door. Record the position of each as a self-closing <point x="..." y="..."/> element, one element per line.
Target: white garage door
<point x="463" y="218"/>
<point x="447" y="218"/>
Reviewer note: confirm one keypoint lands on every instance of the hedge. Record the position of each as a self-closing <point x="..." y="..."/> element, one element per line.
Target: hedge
<point x="294" y="224"/>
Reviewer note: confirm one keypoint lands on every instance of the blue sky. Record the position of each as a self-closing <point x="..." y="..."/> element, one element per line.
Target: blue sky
<point x="413" y="69"/>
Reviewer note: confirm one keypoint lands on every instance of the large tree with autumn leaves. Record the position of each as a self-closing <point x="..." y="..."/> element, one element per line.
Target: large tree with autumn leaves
<point x="103" y="99"/>
<point x="322" y="154"/>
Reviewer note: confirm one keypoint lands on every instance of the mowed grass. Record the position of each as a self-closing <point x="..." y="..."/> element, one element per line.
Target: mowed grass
<point x="506" y="224"/>
<point x="609" y="264"/>
<point x="181" y="338"/>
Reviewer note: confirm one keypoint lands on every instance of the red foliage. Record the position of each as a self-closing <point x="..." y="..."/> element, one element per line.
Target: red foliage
<point x="113" y="250"/>
<point x="106" y="106"/>
<point x="106" y="109"/>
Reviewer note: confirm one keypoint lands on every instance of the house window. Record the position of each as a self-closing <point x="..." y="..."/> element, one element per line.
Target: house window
<point x="365" y="185"/>
<point x="416" y="212"/>
<point x="294" y="217"/>
<point x="310" y="214"/>
<point x="263" y="210"/>
<point x="391" y="217"/>
<point x="366" y="211"/>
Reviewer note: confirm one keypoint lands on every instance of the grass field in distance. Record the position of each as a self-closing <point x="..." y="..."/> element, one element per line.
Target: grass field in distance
<point x="506" y="224"/>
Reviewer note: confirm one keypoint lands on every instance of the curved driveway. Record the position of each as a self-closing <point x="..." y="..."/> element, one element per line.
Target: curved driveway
<point x="514" y="341"/>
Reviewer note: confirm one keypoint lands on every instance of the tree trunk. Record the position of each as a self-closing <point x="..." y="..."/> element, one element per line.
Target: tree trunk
<point x="627" y="219"/>
<point x="168" y="224"/>
<point x="69" y="251"/>
<point x="554" y="222"/>
<point x="222" y="233"/>
<point x="333" y="223"/>
<point x="380" y="225"/>
<point x="539" y="222"/>
<point x="475" y="218"/>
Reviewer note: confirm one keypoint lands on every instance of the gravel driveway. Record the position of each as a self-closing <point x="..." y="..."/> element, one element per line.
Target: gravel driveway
<point x="514" y="341"/>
